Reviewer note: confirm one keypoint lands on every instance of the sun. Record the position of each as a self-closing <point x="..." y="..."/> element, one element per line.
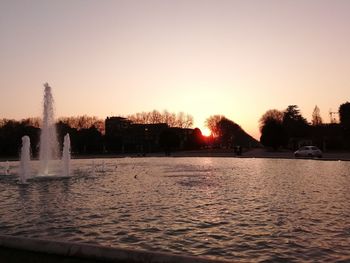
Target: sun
<point x="206" y="132"/>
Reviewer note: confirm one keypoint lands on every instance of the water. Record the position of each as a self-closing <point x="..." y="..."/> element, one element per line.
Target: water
<point x="48" y="154"/>
<point x="246" y="210"/>
<point x="48" y="136"/>
<point x="6" y="168"/>
<point x="24" y="171"/>
<point x="66" y="155"/>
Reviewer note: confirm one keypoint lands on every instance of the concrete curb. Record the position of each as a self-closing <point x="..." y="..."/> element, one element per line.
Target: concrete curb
<point x="93" y="252"/>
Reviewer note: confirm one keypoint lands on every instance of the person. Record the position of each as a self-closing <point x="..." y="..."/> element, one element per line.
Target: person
<point x="239" y="150"/>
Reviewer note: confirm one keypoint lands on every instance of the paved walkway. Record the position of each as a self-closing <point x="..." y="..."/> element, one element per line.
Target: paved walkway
<point x="258" y="153"/>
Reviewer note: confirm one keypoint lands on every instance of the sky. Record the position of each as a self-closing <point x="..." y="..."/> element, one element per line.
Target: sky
<point x="234" y="58"/>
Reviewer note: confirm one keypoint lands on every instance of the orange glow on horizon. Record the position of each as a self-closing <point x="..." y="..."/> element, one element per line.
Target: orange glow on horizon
<point x="206" y="132"/>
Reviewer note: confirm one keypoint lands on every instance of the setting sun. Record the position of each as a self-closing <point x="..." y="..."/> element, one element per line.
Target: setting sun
<point x="206" y="132"/>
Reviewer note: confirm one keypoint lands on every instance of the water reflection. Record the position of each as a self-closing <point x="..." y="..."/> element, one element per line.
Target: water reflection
<point x="242" y="209"/>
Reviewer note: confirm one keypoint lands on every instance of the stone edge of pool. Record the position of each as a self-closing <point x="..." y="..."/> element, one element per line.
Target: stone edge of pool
<point x="22" y="249"/>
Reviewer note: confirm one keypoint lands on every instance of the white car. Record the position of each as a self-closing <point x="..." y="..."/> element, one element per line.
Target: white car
<point x="308" y="151"/>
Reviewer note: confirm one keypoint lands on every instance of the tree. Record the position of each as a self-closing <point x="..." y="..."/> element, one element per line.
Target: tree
<point x="344" y="115"/>
<point x="292" y="114"/>
<point x="273" y="133"/>
<point x="62" y="129"/>
<point x="83" y="122"/>
<point x="226" y="132"/>
<point x="155" y="117"/>
<point x="212" y="124"/>
<point x="270" y="115"/>
<point x="12" y="131"/>
<point x="294" y="123"/>
<point x="195" y="140"/>
<point x="34" y="122"/>
<point x="179" y="120"/>
<point x="184" y="120"/>
<point x="316" y="117"/>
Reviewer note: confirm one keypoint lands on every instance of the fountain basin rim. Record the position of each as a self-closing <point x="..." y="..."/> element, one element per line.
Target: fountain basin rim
<point x="95" y="252"/>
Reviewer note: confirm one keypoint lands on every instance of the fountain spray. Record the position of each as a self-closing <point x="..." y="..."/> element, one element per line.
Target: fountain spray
<point x="48" y="137"/>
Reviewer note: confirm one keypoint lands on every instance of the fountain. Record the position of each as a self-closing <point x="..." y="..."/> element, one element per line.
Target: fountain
<point x="66" y="155"/>
<point x="48" y="144"/>
<point x="24" y="167"/>
<point x="48" y="137"/>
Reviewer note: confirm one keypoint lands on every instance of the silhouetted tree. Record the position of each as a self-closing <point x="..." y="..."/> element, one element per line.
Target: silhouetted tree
<point x="11" y="133"/>
<point x="316" y="117"/>
<point x="273" y="133"/>
<point x="195" y="140"/>
<point x="154" y="117"/>
<point x="84" y="122"/>
<point x="184" y="120"/>
<point x="180" y="120"/>
<point x="9" y="139"/>
<point x="169" y="118"/>
<point x="270" y="115"/>
<point x="62" y="130"/>
<point x="212" y="124"/>
<point x="292" y="116"/>
<point x="344" y="115"/>
<point x="226" y="131"/>
<point x="295" y="124"/>
<point x="34" y="135"/>
<point x="34" y="122"/>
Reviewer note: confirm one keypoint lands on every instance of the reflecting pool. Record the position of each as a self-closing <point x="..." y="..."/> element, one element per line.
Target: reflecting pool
<point x="225" y="208"/>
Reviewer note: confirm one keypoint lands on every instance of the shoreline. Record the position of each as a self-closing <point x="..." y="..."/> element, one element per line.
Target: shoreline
<point x="263" y="153"/>
<point x="252" y="153"/>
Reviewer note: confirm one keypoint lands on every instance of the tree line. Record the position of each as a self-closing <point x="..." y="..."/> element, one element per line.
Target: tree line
<point x="179" y="120"/>
<point x="87" y="133"/>
<point x="288" y="129"/>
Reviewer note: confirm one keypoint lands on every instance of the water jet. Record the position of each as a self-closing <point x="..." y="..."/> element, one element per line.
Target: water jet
<point x="48" y="147"/>
<point x="48" y="136"/>
<point x="66" y="155"/>
<point x="24" y="168"/>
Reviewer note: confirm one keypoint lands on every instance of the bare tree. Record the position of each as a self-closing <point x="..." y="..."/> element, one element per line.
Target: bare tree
<point x="169" y="118"/>
<point x="34" y="121"/>
<point x="83" y="122"/>
<point x="316" y="117"/>
<point x="212" y="124"/>
<point x="188" y="121"/>
<point x="180" y="120"/>
<point x="156" y="117"/>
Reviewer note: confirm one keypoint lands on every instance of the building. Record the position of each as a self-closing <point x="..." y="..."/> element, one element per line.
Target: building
<point x="122" y="135"/>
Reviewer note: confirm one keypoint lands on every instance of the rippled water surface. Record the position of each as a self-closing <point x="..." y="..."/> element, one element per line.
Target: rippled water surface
<point x="225" y="208"/>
